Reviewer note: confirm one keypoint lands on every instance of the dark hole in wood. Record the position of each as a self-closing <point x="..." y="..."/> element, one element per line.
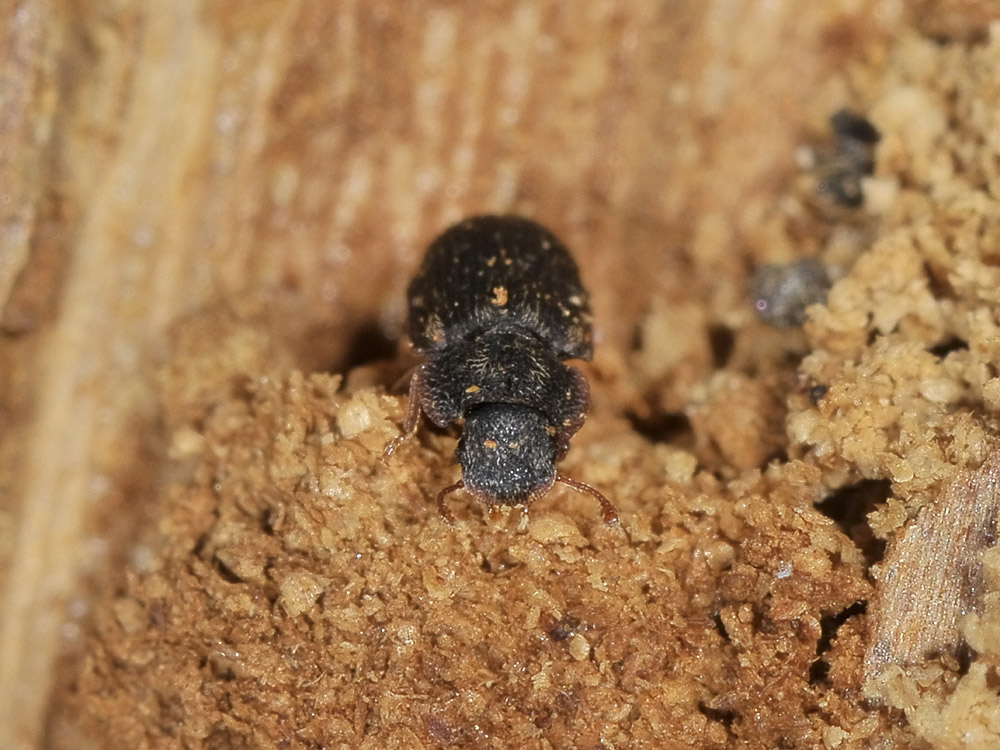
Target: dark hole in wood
<point x="722" y="341"/>
<point x="849" y="507"/>
<point x="946" y="347"/>
<point x="829" y="625"/>
<point x="660" y="427"/>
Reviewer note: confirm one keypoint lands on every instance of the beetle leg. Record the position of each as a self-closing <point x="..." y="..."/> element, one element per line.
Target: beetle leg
<point x="416" y="397"/>
<point x="443" y="509"/>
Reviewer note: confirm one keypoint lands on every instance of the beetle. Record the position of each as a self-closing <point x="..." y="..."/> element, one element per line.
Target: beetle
<point x="783" y="291"/>
<point x="496" y="307"/>
<point x="840" y="173"/>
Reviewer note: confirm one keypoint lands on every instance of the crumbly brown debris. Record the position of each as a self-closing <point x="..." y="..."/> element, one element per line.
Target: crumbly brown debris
<point x="307" y="593"/>
<point x="906" y="348"/>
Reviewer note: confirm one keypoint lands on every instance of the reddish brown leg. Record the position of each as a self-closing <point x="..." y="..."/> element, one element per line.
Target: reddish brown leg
<point x="608" y="510"/>
<point x="412" y="413"/>
<point x="443" y="509"/>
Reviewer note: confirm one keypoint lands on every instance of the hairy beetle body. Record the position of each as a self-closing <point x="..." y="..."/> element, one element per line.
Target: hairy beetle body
<point x="496" y="307"/>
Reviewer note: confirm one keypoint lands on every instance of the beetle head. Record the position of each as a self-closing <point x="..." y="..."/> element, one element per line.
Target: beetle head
<point x="507" y="453"/>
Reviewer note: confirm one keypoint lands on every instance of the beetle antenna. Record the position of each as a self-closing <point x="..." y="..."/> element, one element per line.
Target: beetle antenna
<point x="443" y="509"/>
<point x="609" y="512"/>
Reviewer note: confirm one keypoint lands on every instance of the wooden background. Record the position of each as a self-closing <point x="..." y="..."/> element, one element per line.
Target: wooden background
<point x="289" y="161"/>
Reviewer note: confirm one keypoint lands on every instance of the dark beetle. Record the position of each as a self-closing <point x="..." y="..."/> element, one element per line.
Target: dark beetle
<point x="840" y="174"/>
<point x="496" y="307"/>
<point x="783" y="291"/>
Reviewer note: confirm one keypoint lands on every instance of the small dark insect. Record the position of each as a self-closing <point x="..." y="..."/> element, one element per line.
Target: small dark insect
<point x="817" y="392"/>
<point x="496" y="307"/>
<point x="782" y="291"/>
<point x="853" y="158"/>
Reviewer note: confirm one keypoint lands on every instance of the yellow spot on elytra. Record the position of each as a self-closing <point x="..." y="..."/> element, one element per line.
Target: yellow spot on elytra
<point x="499" y="296"/>
<point x="472" y="389"/>
<point x="491" y="444"/>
